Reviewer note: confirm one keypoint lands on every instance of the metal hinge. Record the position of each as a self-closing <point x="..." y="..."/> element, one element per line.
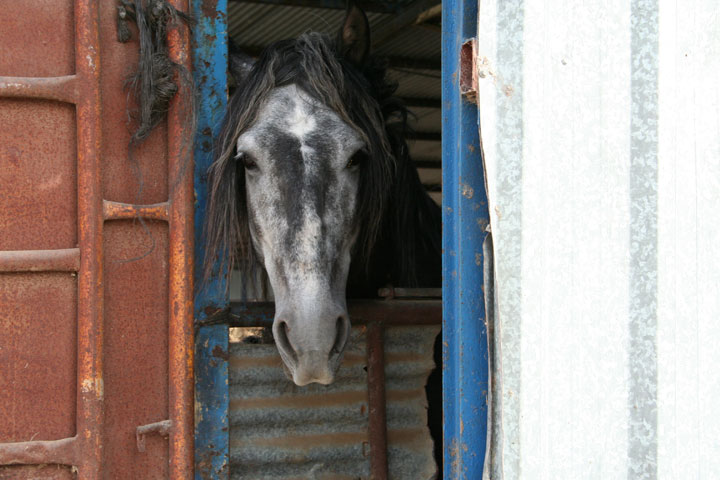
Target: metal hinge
<point x="160" y="428"/>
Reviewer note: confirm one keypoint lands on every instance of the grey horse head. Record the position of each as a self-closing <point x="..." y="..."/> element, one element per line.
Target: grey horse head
<point x="299" y="186"/>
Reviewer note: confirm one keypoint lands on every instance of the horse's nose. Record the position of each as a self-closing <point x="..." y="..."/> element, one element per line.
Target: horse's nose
<point x="313" y="366"/>
<point x="306" y="351"/>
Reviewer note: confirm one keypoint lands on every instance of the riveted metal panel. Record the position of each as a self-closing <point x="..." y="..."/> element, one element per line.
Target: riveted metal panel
<point x="96" y="321"/>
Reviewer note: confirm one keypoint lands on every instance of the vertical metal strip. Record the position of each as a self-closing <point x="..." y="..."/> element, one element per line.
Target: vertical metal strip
<point x="465" y="218"/>
<point x="180" y="328"/>
<point x="90" y="224"/>
<point x="212" y="455"/>
<point x="643" y="314"/>
<point x="377" y="424"/>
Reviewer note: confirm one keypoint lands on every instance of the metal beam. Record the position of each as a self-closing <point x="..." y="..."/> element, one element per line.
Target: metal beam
<point x="362" y="312"/>
<point x="429" y="164"/>
<point x="425" y="136"/>
<point x="422" y="102"/>
<point x="413" y="63"/>
<point x="375" y="7"/>
<point x="408" y="16"/>
<point x="408" y="63"/>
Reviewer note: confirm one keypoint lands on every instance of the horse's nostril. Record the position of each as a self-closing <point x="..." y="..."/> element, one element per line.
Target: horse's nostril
<point x="280" y="332"/>
<point x="342" y="332"/>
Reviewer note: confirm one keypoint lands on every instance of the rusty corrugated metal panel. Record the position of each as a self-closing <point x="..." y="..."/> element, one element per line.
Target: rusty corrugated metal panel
<point x="136" y="296"/>
<point x="84" y="312"/>
<point x="62" y="218"/>
<point x="281" y="431"/>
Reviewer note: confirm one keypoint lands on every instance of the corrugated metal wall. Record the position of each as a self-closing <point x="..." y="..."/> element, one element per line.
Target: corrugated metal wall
<point x="600" y="127"/>
<point x="281" y="431"/>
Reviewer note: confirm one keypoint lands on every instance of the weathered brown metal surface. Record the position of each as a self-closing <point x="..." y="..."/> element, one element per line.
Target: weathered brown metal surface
<point x="38" y="38"/>
<point x="125" y="211"/>
<point x="38" y="204"/>
<point x="63" y="452"/>
<point x="37" y="357"/>
<point x="94" y="304"/>
<point x="90" y="386"/>
<point x="398" y="312"/>
<point x="377" y="427"/>
<point x="136" y="274"/>
<point x="136" y="350"/>
<point x="162" y="428"/>
<point x="62" y="89"/>
<point x="62" y="260"/>
<point x="182" y="346"/>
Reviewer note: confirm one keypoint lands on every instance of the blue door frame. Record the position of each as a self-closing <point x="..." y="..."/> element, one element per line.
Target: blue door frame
<point x="465" y="217"/>
<point x="212" y="445"/>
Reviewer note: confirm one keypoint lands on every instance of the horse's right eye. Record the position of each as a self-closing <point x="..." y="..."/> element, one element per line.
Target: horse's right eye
<point x="248" y="161"/>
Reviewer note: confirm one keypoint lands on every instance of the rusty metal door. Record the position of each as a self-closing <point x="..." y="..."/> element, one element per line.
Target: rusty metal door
<point x="95" y="306"/>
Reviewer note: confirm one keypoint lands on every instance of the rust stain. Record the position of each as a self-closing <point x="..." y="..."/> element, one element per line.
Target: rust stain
<point x="125" y="211"/>
<point x="181" y="248"/>
<point x="467" y="191"/>
<point x="209" y="9"/>
<point x="218" y="352"/>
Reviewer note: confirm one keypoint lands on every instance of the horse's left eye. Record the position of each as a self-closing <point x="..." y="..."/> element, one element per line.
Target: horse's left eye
<point x="358" y="157"/>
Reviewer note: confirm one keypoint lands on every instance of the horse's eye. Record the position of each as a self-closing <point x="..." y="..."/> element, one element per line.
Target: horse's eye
<point x="358" y="157"/>
<point x="248" y="161"/>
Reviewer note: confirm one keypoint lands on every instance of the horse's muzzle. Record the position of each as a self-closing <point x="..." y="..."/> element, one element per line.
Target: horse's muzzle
<point x="311" y="352"/>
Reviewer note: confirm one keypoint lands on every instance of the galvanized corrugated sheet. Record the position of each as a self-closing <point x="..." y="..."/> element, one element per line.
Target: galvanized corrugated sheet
<point x="599" y="126"/>
<point x="257" y="24"/>
<point x="281" y="431"/>
<point x="413" y="42"/>
<point x="426" y="119"/>
<point x="416" y="83"/>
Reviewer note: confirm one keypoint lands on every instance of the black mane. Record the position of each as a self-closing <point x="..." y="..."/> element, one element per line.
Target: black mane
<point x="399" y="240"/>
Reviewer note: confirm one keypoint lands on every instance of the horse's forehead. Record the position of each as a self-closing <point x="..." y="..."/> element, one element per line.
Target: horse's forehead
<point x="291" y="111"/>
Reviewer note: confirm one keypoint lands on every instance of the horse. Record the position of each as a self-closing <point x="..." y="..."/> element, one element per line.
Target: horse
<point x="312" y="183"/>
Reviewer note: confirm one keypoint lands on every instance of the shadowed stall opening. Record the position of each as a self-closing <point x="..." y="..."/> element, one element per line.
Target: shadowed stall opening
<point x="314" y="191"/>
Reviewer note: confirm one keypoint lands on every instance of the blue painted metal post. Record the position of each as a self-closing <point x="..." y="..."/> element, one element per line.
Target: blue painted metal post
<point x="465" y="218"/>
<point x="211" y="342"/>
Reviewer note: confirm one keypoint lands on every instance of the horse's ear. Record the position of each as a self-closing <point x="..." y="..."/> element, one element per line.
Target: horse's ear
<point x="354" y="36"/>
<point x="239" y="63"/>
